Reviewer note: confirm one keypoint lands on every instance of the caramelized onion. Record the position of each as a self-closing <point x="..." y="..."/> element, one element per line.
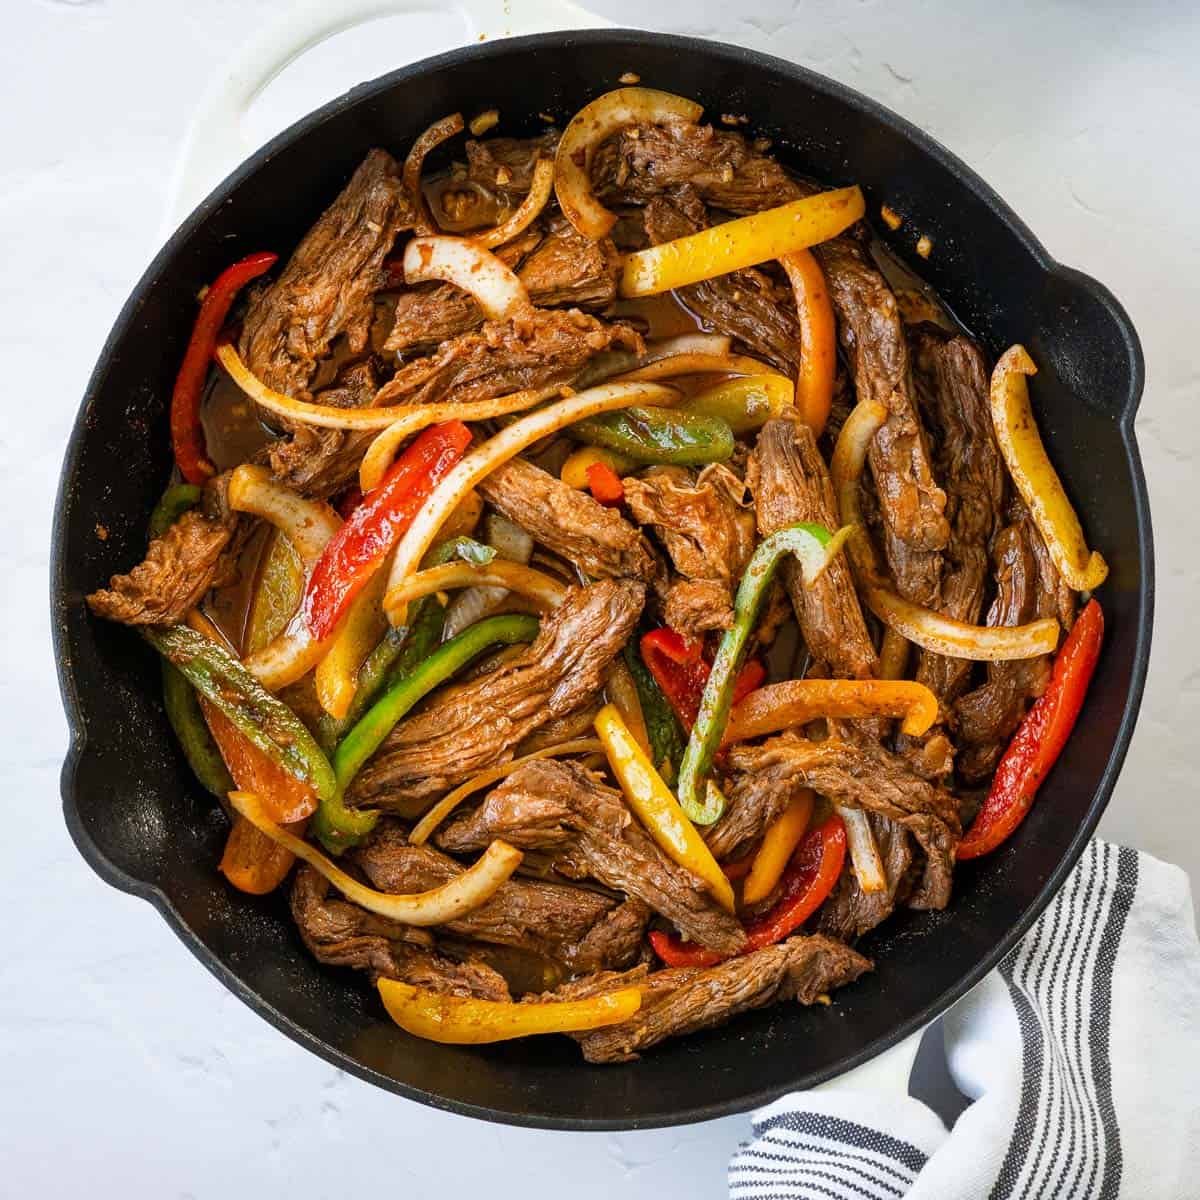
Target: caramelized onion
<point x="433" y="137"/>
<point x="531" y="207"/>
<point x="864" y="853"/>
<point x="467" y="265"/>
<point x="512" y="577"/>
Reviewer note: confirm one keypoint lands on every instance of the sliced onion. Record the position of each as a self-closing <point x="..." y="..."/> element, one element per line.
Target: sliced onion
<point x="434" y="136"/>
<point x="929" y="629"/>
<point x="424" y="828"/>
<point x="308" y="525"/>
<point x="697" y="362"/>
<point x="508" y="576"/>
<point x="510" y="542"/>
<point x="382" y="449"/>
<point x="469" y="266"/>
<point x="685" y="343"/>
<point x="508" y="443"/>
<point x="590" y="126"/>
<point x="323" y="415"/>
<point x="864" y="853"/>
<point x="531" y="207"/>
<point x="454" y="899"/>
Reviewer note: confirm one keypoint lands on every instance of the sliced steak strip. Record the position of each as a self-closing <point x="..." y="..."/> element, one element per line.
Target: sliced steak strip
<point x="683" y="1000"/>
<point x="860" y="772"/>
<point x="505" y="165"/>
<point x="588" y="832"/>
<point x="464" y="729"/>
<point x="328" y="286"/>
<point x="952" y="382"/>
<point x="196" y="553"/>
<point x="850" y="912"/>
<point x="748" y="305"/>
<point x="596" y="540"/>
<point x="539" y="348"/>
<point x="341" y="934"/>
<point x="568" y="268"/>
<point x="709" y="533"/>
<point x="580" y="929"/>
<point x="791" y="483"/>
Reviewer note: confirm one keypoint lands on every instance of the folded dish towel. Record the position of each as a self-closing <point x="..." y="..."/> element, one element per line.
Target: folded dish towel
<point x="1081" y="1054"/>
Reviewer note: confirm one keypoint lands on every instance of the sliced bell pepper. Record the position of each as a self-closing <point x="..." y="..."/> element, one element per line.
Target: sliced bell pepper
<point x="348" y="501"/>
<point x="187" y="436"/>
<point x="654" y="435"/>
<point x="814" y="548"/>
<point x="277" y="592"/>
<point x="575" y="468"/>
<point x="175" y="501"/>
<point x="605" y="484"/>
<point x="745" y="403"/>
<point x="201" y="752"/>
<point x="662" y="727"/>
<point x="1039" y="739"/>
<point x="818" y="338"/>
<point x="778" y="844"/>
<point x="252" y="862"/>
<point x="810" y="876"/>
<point x="360" y="546"/>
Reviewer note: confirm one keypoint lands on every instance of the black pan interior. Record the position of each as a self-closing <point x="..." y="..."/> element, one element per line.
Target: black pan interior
<point x="147" y="827"/>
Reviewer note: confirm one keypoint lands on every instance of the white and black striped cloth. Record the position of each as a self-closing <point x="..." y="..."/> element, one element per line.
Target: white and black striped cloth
<point x="1081" y="1055"/>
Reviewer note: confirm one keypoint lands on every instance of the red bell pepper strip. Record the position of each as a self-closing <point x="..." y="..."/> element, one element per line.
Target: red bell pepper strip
<point x="187" y="436"/>
<point x="681" y="671"/>
<point x="605" y="484"/>
<point x="1039" y="739"/>
<point x="359" y="547"/>
<point x="813" y="870"/>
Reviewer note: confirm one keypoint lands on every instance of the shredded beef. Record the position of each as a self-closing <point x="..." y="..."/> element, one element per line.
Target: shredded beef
<point x="709" y="533"/>
<point x="464" y="729"/>
<point x="588" y="832"/>
<point x="568" y="268"/>
<point x="683" y="1000"/>
<point x="538" y="348"/>
<point x="341" y="934"/>
<point x="505" y="165"/>
<point x="595" y="539"/>
<point x="328" y="287"/>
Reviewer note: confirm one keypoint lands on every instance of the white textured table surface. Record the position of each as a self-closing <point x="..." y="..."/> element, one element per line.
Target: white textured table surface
<point x="124" y="1067"/>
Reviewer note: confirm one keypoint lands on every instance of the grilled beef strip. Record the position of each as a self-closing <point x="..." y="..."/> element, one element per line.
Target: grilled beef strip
<point x="747" y="305"/>
<point x="587" y="832"/>
<point x="582" y="930"/>
<point x="857" y="770"/>
<point x="505" y="165"/>
<point x="596" y="540"/>
<point x="682" y="1000"/>
<point x="463" y="729"/>
<point x="327" y="289"/>
<point x="196" y="553"/>
<point x="537" y="348"/>
<point x="341" y="934"/>
<point x="709" y="533"/>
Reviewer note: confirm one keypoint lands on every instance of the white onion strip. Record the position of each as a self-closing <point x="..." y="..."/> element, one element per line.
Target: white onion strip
<point x="512" y="577"/>
<point x="685" y="343"/>
<point x="535" y="200"/>
<point x="508" y="443"/>
<point x="424" y="828"/>
<point x="864" y="853"/>
<point x="433" y="137"/>
<point x="929" y="629"/>
<point x="590" y="126"/>
<point x="696" y="362"/>
<point x="453" y="899"/>
<point x="467" y="265"/>
<point x="382" y="450"/>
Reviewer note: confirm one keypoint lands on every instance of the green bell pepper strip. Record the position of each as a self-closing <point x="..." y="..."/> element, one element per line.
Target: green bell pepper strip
<point x="815" y="548"/>
<point x="662" y="726"/>
<point x="658" y="435"/>
<point x="175" y="501"/>
<point x="264" y="721"/>
<point x="339" y="827"/>
<point x="183" y="711"/>
<point x="402" y="648"/>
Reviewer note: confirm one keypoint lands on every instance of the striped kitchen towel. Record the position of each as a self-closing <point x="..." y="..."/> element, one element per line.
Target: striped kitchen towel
<point x="1080" y="1053"/>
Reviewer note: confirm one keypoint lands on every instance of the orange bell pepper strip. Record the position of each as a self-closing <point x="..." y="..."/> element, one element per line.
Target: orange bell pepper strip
<point x="810" y="876"/>
<point x="818" y="339"/>
<point x="187" y="436"/>
<point x="778" y="845"/>
<point x="1039" y="739"/>
<point x="252" y="862"/>
<point x="605" y="484"/>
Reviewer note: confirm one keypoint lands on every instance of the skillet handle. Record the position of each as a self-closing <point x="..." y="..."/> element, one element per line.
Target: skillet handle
<point x="216" y="142"/>
<point x="886" y="1074"/>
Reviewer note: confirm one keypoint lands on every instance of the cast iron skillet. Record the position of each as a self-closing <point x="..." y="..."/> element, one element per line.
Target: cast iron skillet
<point x="146" y="827"/>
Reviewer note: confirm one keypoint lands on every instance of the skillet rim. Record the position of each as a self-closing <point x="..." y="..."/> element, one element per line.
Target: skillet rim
<point x="752" y="61"/>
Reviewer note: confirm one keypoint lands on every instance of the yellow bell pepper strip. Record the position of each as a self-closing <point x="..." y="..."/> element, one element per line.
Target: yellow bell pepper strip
<point x="574" y="471"/>
<point x="745" y="242"/>
<point x="818" y="339"/>
<point x="1035" y="476"/>
<point x="778" y="844"/>
<point x="779" y="706"/>
<point x="744" y="404"/>
<point x="463" y="1021"/>
<point x="453" y="899"/>
<point x="656" y="808"/>
<point x="337" y="826"/>
<point x="265" y="722"/>
<point x="814" y="548"/>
